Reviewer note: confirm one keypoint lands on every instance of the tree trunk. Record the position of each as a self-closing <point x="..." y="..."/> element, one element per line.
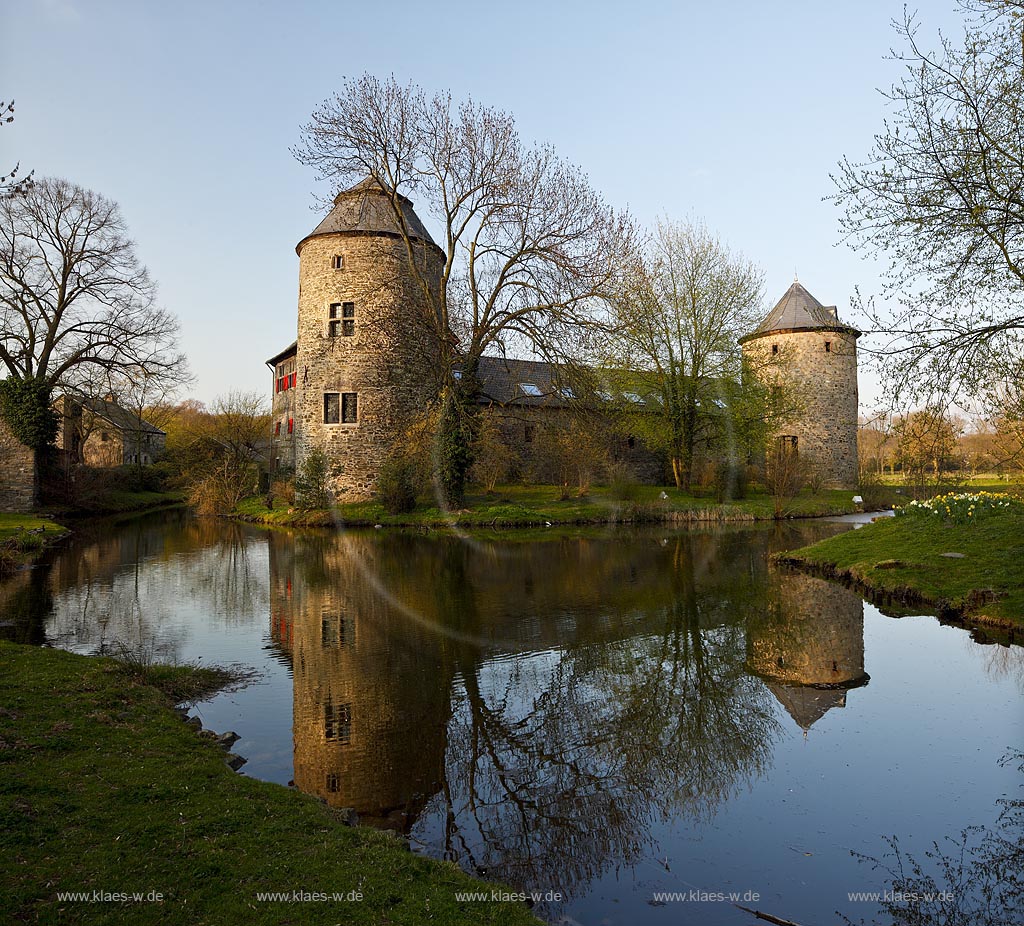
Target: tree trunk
<point x="677" y="471"/>
<point x="456" y="433"/>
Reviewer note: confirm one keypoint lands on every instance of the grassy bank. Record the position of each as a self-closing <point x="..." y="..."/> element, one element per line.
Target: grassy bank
<point x="24" y="536"/>
<point x="125" y="501"/>
<point x="103" y="788"/>
<point x="903" y="557"/>
<point x="530" y="506"/>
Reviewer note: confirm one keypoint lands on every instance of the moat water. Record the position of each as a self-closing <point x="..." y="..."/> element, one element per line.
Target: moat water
<point x="604" y="716"/>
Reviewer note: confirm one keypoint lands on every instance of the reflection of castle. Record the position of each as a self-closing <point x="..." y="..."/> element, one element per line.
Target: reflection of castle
<point x="370" y="697"/>
<point x="809" y="645"/>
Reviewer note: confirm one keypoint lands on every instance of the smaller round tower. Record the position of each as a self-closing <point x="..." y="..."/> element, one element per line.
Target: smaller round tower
<point x="366" y="355"/>
<point x="803" y="344"/>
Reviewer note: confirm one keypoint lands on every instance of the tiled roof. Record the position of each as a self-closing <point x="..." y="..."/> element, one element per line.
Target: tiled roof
<point x="500" y="380"/>
<point x="290" y="351"/>
<point x="121" y="418"/>
<point x="365" y="209"/>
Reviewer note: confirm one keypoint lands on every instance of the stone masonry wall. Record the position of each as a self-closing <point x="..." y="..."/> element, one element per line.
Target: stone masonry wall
<point x="826" y="381"/>
<point x="388" y="363"/>
<point x="812" y="633"/>
<point x="16" y="472"/>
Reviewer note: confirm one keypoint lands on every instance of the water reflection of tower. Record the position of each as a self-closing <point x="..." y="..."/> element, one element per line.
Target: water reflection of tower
<point x="371" y="688"/>
<point x="808" y="645"/>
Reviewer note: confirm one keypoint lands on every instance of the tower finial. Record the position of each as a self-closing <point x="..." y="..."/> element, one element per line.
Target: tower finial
<point x="796" y="278"/>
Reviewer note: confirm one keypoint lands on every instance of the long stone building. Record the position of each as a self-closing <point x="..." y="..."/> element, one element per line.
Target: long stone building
<point x="364" y="366"/>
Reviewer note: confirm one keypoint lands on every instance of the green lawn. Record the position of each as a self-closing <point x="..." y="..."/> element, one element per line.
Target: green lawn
<point x="24" y="536"/>
<point x="526" y="506"/>
<point x="103" y="788"/>
<point x="15" y="525"/>
<point x="903" y="556"/>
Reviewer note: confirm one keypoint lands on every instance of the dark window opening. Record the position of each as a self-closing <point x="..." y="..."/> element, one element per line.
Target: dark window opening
<point x="332" y="407"/>
<point x="527" y="433"/>
<point x="349" y="408"/>
<point x="788" y="443"/>
<point x="338" y="721"/>
<point x="828" y="347"/>
<point x="337" y="262"/>
<point x="775" y="348"/>
<point x="277" y="428"/>
<point x="333" y="783"/>
<point x="631" y="442"/>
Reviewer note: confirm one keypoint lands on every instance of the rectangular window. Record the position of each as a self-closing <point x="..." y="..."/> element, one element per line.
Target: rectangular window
<point x="337" y="721"/>
<point x="531" y="389"/>
<point x="332" y="407"/>
<point x="337" y="262"/>
<point x="527" y="433"/>
<point x="333" y="783"/>
<point x="341" y="319"/>
<point x="775" y="348"/>
<point x="828" y="347"/>
<point x="788" y="443"/>
<point x="277" y="428"/>
<point x="349" y="408"/>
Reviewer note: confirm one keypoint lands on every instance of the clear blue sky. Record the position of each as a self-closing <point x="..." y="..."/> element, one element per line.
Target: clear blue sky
<point x="184" y="113"/>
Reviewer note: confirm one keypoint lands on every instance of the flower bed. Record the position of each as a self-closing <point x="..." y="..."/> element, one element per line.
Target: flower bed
<point x="959" y="507"/>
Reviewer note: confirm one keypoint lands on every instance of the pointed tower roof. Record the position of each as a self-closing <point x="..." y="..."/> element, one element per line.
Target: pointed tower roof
<point x="365" y="209"/>
<point x="806" y="705"/>
<point x="798" y="310"/>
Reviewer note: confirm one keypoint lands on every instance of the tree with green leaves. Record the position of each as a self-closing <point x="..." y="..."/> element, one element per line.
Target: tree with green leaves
<point x="940" y="196"/>
<point x="675" y="323"/>
<point x="529" y="247"/>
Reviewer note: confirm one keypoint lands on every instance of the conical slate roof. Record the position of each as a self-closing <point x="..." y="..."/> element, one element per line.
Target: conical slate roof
<point x="806" y="705"/>
<point x="365" y="209"/>
<point x="798" y="309"/>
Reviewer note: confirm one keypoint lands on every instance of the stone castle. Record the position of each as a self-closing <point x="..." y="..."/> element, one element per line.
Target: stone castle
<point x="363" y="368"/>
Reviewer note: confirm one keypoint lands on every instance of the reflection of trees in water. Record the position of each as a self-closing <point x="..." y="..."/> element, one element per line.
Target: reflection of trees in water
<point x="559" y="760"/>
<point x="126" y="585"/>
<point x="537" y="706"/>
<point x="974" y="880"/>
<point x="24" y="598"/>
<point x="1005" y="661"/>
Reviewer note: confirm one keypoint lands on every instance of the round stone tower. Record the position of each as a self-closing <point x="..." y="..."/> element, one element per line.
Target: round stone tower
<point x="803" y="344"/>
<point x="366" y="355"/>
<point x="808" y="645"/>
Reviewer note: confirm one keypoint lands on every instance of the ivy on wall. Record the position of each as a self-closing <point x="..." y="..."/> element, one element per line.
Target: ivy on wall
<point x="25" y="408"/>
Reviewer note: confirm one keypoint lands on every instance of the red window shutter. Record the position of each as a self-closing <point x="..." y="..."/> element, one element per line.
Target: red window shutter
<point x="291" y="423"/>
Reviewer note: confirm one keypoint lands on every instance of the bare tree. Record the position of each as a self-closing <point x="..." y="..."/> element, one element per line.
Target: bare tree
<point x="942" y="195"/>
<point x="529" y="247"/>
<point x="10" y="182"/>
<point x="220" y="463"/>
<point x="676" y="322"/>
<point x="75" y="303"/>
